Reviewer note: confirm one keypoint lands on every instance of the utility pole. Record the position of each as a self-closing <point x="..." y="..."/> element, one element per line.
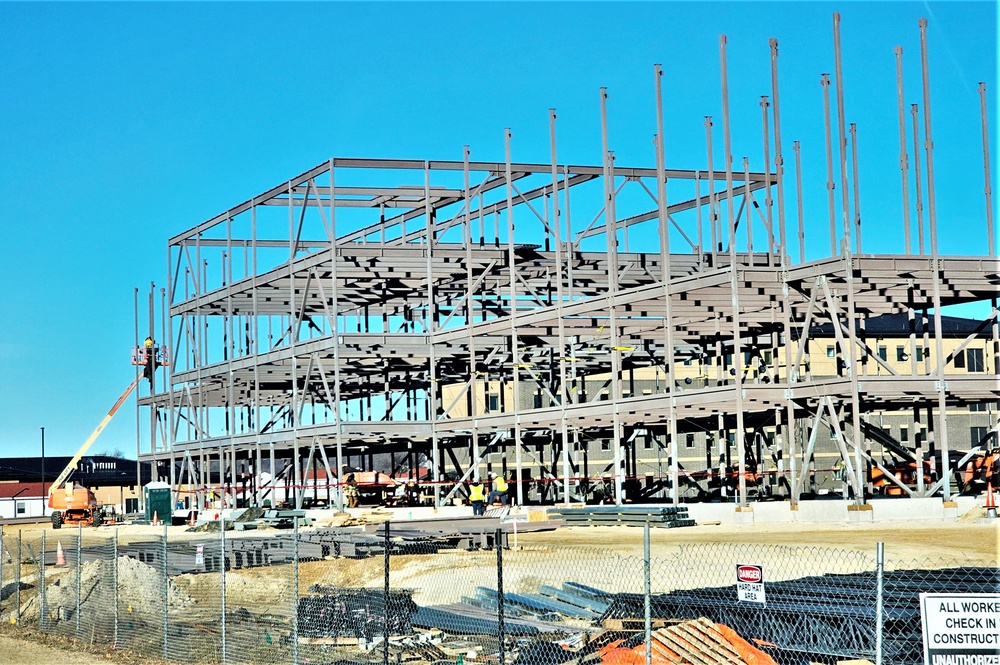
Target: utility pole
<point x="43" y="472"/>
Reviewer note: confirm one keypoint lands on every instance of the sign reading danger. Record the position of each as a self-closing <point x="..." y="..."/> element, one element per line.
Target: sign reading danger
<point x="750" y="583"/>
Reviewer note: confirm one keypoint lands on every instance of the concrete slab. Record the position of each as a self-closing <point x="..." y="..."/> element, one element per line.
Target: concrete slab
<point x="821" y="510"/>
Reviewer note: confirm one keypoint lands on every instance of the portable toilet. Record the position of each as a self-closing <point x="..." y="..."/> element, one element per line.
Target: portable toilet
<point x="157" y="496"/>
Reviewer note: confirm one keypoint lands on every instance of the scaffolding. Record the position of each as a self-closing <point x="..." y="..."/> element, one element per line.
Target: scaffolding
<point x="456" y="314"/>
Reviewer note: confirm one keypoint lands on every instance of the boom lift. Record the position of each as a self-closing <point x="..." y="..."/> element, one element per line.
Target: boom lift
<point x="76" y="504"/>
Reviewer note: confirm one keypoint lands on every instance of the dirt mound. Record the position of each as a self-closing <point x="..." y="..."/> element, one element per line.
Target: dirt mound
<point x="141" y="586"/>
<point x="140" y="590"/>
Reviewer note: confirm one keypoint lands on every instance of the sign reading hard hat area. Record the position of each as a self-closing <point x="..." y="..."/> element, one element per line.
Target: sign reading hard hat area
<point x="750" y="583"/>
<point x="961" y="629"/>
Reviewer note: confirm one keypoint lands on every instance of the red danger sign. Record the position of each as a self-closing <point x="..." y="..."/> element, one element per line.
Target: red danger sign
<point x="750" y="583"/>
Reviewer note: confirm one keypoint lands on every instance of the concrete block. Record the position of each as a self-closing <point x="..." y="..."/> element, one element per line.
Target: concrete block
<point x="907" y="509"/>
<point x="774" y="511"/>
<point x="860" y="513"/>
<point x="823" y="510"/>
<point x="712" y="512"/>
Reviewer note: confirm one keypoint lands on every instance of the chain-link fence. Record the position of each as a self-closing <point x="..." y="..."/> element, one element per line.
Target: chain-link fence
<point x="465" y="594"/>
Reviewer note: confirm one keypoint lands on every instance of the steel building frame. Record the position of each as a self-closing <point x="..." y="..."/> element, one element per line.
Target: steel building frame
<point x="342" y="314"/>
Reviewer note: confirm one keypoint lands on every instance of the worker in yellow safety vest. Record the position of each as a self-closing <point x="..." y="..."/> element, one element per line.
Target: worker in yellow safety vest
<point x="477" y="497"/>
<point x="498" y="497"/>
<point x="149" y="359"/>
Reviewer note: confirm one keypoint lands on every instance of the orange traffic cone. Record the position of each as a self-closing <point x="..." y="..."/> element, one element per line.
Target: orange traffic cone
<point x="156" y="518"/>
<point x="991" y="505"/>
<point x="60" y="555"/>
<point x="191" y="521"/>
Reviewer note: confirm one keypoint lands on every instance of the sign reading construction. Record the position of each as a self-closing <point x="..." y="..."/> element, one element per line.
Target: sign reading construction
<point x="750" y="583"/>
<point x="961" y="628"/>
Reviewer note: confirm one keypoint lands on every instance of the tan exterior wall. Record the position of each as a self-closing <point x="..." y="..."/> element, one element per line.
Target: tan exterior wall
<point x="819" y="361"/>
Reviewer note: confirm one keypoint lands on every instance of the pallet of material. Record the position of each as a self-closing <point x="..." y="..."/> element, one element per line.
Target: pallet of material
<point x="633" y="624"/>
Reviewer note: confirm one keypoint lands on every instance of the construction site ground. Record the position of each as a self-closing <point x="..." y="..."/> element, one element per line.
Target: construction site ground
<point x="965" y="541"/>
<point x="20" y="646"/>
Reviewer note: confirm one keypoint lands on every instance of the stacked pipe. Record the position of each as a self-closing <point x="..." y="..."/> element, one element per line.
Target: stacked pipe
<point x="657" y="516"/>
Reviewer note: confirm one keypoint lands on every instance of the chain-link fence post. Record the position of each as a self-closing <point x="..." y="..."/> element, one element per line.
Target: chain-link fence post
<point x="498" y="541"/>
<point x="79" y="575"/>
<point x="166" y="596"/>
<point x="879" y="570"/>
<point x="385" y="622"/>
<point x="647" y="594"/>
<point x="295" y="587"/>
<point x="114" y="587"/>
<point x="41" y="587"/>
<point x="222" y="580"/>
<point x="17" y="569"/>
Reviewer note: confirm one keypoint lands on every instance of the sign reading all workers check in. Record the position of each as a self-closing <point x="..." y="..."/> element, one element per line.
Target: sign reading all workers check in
<point x="750" y="583"/>
<point x="961" y="628"/>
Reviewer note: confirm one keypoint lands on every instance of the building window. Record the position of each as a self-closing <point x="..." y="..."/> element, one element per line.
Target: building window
<point x="923" y="353"/>
<point x="20" y="507"/>
<point x="492" y="403"/>
<point x="959" y="361"/>
<point x="830" y="352"/>
<point x="883" y="353"/>
<point x="974" y="358"/>
<point x="538" y="400"/>
<point x="647" y="442"/>
<point x="689" y="441"/>
<point x="901" y="354"/>
<point x="904" y="434"/>
<point x="606" y="444"/>
<point x="980" y="406"/>
<point x="977" y="434"/>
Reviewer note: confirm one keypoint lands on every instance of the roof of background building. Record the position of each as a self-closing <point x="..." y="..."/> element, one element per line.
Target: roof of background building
<point x="90" y="470"/>
<point x="21" y="490"/>
<point x="898" y="325"/>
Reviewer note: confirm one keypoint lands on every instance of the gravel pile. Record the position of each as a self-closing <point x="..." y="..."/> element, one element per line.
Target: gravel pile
<point x="140" y="589"/>
<point x="141" y="586"/>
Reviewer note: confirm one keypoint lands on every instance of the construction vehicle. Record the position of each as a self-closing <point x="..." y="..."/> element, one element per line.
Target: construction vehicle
<point x="75" y="504"/>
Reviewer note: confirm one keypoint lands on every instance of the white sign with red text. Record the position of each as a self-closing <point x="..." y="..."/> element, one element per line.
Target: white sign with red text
<point x="750" y="583"/>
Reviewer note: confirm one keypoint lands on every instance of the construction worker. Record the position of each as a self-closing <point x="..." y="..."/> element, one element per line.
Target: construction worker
<point x="498" y="497"/>
<point x="150" y="359"/>
<point x="351" y="491"/>
<point x="477" y="497"/>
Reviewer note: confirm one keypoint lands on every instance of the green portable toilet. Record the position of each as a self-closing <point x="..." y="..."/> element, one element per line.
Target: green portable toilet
<point x="157" y="496"/>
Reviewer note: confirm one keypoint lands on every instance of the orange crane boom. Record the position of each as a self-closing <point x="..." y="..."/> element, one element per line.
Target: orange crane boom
<point x="93" y="436"/>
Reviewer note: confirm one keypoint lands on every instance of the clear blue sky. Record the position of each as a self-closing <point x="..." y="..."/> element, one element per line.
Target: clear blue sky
<point x="124" y="124"/>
